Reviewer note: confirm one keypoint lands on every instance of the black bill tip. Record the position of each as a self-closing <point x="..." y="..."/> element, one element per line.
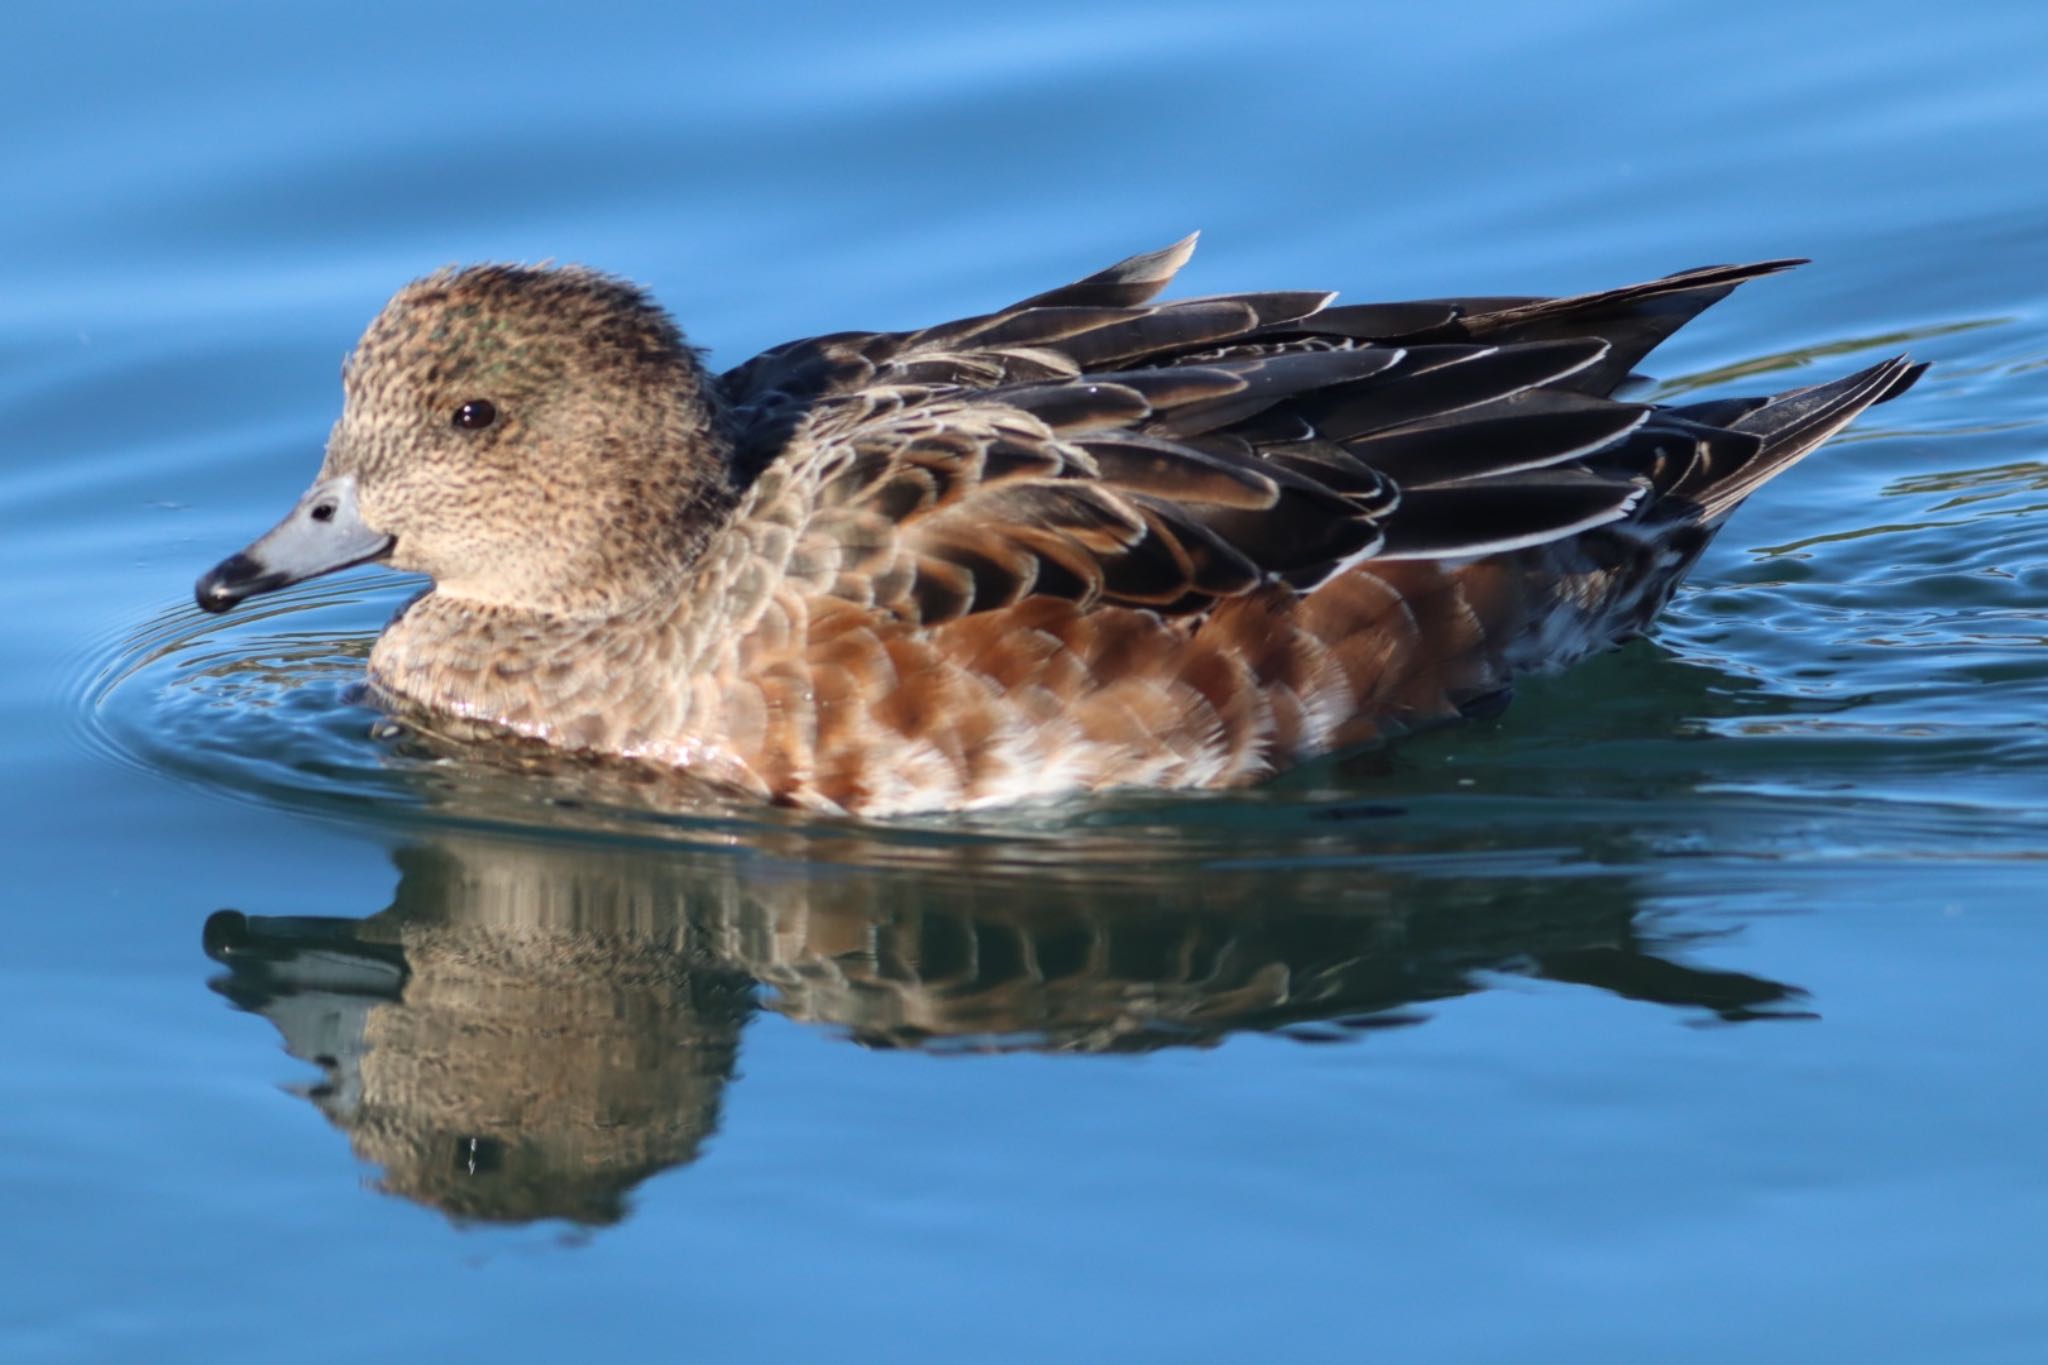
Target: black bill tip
<point x="231" y="580"/>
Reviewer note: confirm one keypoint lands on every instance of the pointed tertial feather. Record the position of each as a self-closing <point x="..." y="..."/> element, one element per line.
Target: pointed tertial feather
<point x="1377" y="321"/>
<point x="1402" y="396"/>
<point x="1126" y="284"/>
<point x="1121" y="398"/>
<point x="1077" y="407"/>
<point x="1498" y="315"/>
<point x="1458" y="521"/>
<point x="977" y="371"/>
<point x="1632" y="320"/>
<point x="1265" y="381"/>
<point x="1169" y="328"/>
<point x="1482" y="445"/>
<point x="1020" y="326"/>
<point x="1274" y="309"/>
<point x="1179" y="386"/>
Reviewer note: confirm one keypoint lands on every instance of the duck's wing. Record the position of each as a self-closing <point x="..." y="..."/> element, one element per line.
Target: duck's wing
<point x="1089" y="444"/>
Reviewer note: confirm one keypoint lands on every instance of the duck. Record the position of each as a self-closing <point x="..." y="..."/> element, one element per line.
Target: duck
<point x="1086" y="542"/>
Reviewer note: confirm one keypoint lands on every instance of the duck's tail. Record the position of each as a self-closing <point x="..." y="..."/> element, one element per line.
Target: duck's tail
<point x="1783" y="428"/>
<point x="1596" y="589"/>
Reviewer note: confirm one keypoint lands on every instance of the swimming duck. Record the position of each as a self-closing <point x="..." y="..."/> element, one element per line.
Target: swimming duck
<point x="1087" y="541"/>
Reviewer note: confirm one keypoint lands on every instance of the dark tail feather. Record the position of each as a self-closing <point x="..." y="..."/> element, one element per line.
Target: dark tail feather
<point x="1789" y="425"/>
<point x="1908" y="377"/>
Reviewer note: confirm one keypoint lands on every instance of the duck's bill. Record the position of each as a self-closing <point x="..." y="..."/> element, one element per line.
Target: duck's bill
<point x="323" y="534"/>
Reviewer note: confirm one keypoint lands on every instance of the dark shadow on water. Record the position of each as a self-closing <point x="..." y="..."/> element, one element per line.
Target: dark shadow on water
<point x="530" y="1030"/>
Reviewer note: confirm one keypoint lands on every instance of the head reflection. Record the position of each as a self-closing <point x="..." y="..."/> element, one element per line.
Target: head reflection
<point x="530" y="1030"/>
<point x="508" y="1041"/>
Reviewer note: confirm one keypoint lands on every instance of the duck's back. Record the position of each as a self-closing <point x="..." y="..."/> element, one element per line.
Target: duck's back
<point x="1089" y="542"/>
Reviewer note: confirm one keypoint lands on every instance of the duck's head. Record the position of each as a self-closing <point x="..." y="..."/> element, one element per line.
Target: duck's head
<point x="531" y="438"/>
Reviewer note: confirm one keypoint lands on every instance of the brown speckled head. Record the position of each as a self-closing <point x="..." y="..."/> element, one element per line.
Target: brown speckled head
<point x="532" y="438"/>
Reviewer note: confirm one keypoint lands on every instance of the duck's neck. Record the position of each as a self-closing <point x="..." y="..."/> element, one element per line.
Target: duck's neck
<point x="616" y="681"/>
<point x="647" y="677"/>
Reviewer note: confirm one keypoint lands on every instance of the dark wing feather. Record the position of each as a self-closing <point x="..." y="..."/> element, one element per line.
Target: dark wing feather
<point x="1090" y="444"/>
<point x="1126" y="284"/>
<point x="1495" y="515"/>
<point x="1431" y="454"/>
<point x="1632" y="320"/>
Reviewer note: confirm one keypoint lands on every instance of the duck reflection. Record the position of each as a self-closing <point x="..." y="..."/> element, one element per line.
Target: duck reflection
<point x="530" y="1030"/>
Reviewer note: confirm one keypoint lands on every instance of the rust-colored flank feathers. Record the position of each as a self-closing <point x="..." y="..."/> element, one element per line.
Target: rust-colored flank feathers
<point x="1088" y="541"/>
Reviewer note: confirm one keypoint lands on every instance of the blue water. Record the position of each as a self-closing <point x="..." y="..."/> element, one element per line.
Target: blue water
<point x="1688" y="1011"/>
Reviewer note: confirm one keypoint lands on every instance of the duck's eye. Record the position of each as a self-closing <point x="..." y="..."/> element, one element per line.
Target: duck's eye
<point x="476" y="414"/>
